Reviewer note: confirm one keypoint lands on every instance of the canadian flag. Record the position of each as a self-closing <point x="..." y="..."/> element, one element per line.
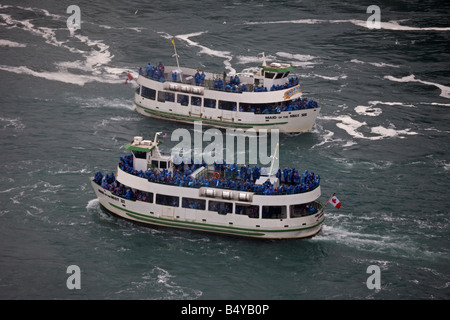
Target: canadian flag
<point x="129" y="78"/>
<point x="335" y="202"/>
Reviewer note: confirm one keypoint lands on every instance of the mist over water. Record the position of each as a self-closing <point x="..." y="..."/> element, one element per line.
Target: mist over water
<point x="381" y="143"/>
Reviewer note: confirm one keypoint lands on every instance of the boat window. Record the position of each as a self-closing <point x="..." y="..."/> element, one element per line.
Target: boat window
<point x="258" y="107"/>
<point x="183" y="99"/>
<point x="155" y="163"/>
<point x="191" y="203"/>
<point x="161" y="97"/>
<point x="279" y="75"/>
<point x="274" y="212"/>
<point x="140" y="154"/>
<point x="144" y="196"/>
<point x="196" y="101"/>
<point x="163" y="164"/>
<point x="227" y="105"/>
<point x="166" y="96"/>
<point x="269" y="75"/>
<point x="166" y="200"/>
<point x="148" y="93"/>
<point x="209" y="103"/>
<point x="250" y="211"/>
<point x="220" y="207"/>
<point x="301" y="210"/>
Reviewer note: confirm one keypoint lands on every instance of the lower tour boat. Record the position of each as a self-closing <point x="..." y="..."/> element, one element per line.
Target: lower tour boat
<point x="269" y="98"/>
<point x="149" y="188"/>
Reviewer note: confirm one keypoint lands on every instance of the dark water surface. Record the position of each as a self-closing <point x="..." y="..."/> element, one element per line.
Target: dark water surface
<point x="381" y="143"/>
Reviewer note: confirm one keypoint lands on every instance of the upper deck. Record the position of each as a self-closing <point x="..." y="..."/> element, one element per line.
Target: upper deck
<point x="268" y="78"/>
<point x="147" y="162"/>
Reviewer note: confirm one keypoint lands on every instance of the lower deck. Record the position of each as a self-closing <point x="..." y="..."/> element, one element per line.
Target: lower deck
<point x="253" y="219"/>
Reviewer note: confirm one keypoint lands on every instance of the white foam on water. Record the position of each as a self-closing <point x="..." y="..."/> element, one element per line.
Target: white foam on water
<point x="205" y="50"/>
<point x="375" y="64"/>
<point x="438" y="104"/>
<point x="65" y="77"/>
<point x="362" y="241"/>
<point x="315" y="75"/>
<point x="445" y="91"/>
<point x="92" y="204"/>
<point x="44" y="11"/>
<point x="102" y="102"/>
<point x="298" y="60"/>
<point x="351" y="126"/>
<point x="159" y="281"/>
<point x="93" y="60"/>
<point x="373" y="111"/>
<point x="392" y="104"/>
<point x="348" y="124"/>
<point x="368" y="111"/>
<point x="14" y="123"/>
<point x="389" y="25"/>
<point x="12" y="44"/>
<point x="383" y="132"/>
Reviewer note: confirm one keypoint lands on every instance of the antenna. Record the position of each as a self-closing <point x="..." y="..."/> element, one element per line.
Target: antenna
<point x="156" y="137"/>
<point x="264" y="63"/>
<point x="176" y="57"/>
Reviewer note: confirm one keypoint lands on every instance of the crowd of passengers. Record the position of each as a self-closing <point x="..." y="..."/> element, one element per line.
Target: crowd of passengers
<point x="235" y="85"/>
<point x="297" y="104"/>
<point x="153" y="72"/>
<point x="229" y="177"/>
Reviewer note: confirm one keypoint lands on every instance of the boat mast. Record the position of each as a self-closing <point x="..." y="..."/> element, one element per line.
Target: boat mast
<point x="176" y="57"/>
<point x="156" y="137"/>
<point x="264" y="63"/>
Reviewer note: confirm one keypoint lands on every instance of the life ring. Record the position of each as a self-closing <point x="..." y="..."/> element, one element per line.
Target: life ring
<point x="216" y="175"/>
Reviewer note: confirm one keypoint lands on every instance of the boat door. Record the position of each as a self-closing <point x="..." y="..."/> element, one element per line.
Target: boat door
<point x="168" y="212"/>
<point x="229" y="110"/>
<point x="196" y="106"/>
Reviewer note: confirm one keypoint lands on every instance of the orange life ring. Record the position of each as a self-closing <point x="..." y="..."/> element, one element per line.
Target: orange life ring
<point x="216" y="175"/>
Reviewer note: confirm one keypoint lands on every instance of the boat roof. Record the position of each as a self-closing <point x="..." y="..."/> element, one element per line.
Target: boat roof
<point x="138" y="144"/>
<point x="277" y="67"/>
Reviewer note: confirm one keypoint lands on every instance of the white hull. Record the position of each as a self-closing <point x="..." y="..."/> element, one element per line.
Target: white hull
<point x="210" y="221"/>
<point x="292" y="121"/>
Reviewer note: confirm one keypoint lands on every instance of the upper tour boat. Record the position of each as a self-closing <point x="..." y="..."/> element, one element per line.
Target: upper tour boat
<point x="270" y="98"/>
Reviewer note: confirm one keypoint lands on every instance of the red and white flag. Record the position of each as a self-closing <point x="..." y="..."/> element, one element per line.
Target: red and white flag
<point x="129" y="78"/>
<point x="335" y="202"/>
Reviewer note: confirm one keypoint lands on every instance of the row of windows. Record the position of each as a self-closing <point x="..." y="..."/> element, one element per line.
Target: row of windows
<point x="184" y="100"/>
<point x="221" y="207"/>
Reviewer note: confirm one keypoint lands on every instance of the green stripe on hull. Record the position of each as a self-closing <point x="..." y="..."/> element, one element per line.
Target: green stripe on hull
<point x="205" y="226"/>
<point x="177" y="116"/>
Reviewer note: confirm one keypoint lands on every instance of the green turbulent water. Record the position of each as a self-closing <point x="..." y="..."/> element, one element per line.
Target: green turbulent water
<point x="381" y="143"/>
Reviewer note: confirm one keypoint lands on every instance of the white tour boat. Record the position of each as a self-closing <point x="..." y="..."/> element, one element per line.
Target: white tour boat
<point x="267" y="99"/>
<point x="148" y="187"/>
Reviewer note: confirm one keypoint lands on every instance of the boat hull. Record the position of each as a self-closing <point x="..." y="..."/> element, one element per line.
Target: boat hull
<point x="152" y="214"/>
<point x="303" y="123"/>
